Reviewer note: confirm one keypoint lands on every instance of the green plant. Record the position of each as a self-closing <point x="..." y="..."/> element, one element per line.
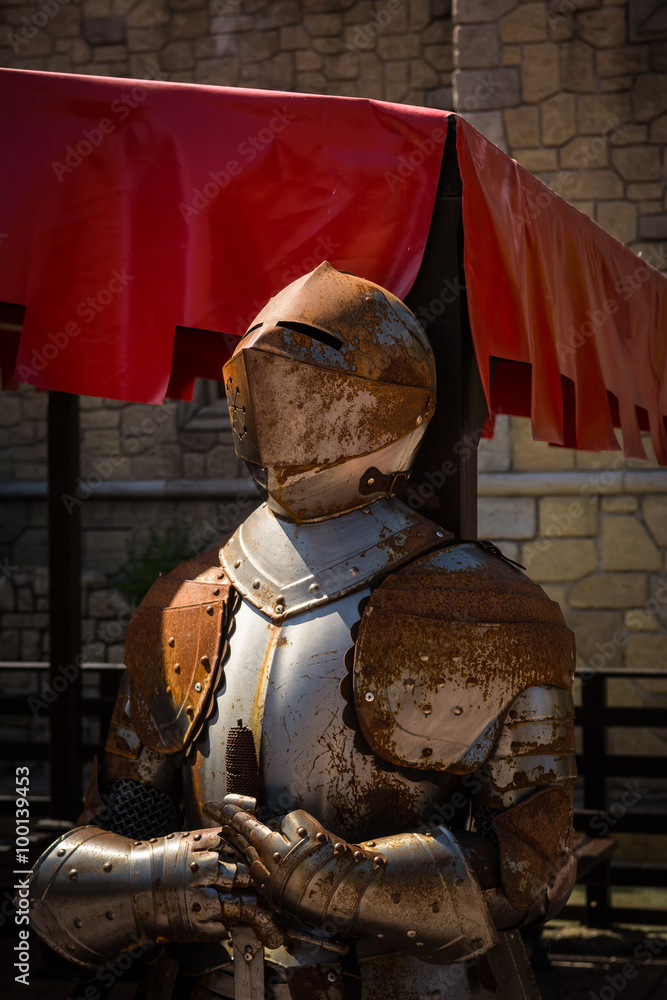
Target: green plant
<point x="162" y="553"/>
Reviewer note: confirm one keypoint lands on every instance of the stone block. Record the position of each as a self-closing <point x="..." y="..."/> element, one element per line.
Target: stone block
<point x="41" y="584"/>
<point x="558" y="119"/>
<point x="619" y="218"/>
<point x="323" y="24"/>
<point x="511" y="55"/>
<point x="6" y="594"/>
<point x="399" y="47"/>
<point x="10" y="409"/>
<point x="441" y="57"/>
<point x="420" y="14"/>
<point x="527" y="23"/>
<point x="149" y="14"/>
<point x="276" y="14"/>
<point x="204" y="48"/>
<point x="483" y="90"/>
<point x="659" y="130"/>
<point x="495" y="454"/>
<point x="602" y="28"/>
<point x="506" y="517"/>
<point x="105" y="30"/>
<point x="327" y="46"/>
<point x="530" y="454"/>
<point x="653" y="227"/>
<point x="555" y="560"/>
<point x="9" y="644"/>
<point x="476" y="46"/>
<point x="621" y="504"/>
<point x="646" y="652"/>
<point x="577" y="72"/>
<point x="307" y="60"/>
<point x="508" y="549"/>
<point x="568" y="516"/>
<point x="659" y="57"/>
<point x="439" y="32"/>
<point x="595" y="184"/>
<point x="490" y="124"/>
<point x="539" y="72"/>
<point x="627" y="60"/>
<point x="231" y="24"/>
<point x="655" y="516"/>
<point x="585" y="152"/>
<point x="539" y="161"/>
<point x="609" y="590"/>
<point x="106" y="550"/>
<point x="194" y="24"/>
<point x="598" y="113"/>
<point x="341" y="68"/>
<point x="349" y="88"/>
<point x="613" y="83"/>
<point x="359" y="13"/>
<point x="637" y="163"/>
<point x="30" y="549"/>
<point x="311" y="83"/>
<point x="626" y="545"/>
<point x="556" y="592"/>
<point x="422" y="75"/>
<point x="294" y="37"/>
<point x="600" y="636"/>
<point x="105" y="603"/>
<point x="480" y="11"/>
<point x="24" y="599"/>
<point x="649" y="96"/>
<point x="522" y="126"/>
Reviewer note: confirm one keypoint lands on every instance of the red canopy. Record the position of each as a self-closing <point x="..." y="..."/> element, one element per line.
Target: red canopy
<point x="143" y="223"/>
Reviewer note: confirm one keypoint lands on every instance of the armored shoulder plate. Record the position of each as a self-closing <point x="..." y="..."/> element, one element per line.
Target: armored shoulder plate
<point x="173" y="653"/>
<point x="286" y="567"/>
<point x="445" y="645"/>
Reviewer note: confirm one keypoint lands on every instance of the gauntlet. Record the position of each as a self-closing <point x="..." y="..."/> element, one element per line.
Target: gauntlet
<point x="95" y="894"/>
<point x="417" y="891"/>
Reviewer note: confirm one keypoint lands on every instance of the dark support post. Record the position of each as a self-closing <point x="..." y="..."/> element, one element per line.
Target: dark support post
<point x="446" y="466"/>
<point x="598" y="903"/>
<point x="64" y="608"/>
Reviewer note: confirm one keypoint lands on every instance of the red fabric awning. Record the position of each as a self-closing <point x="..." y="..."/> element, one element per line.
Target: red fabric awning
<point x="143" y="225"/>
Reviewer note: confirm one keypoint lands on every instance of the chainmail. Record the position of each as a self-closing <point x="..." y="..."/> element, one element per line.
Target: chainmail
<point x="135" y="809"/>
<point x="483" y="817"/>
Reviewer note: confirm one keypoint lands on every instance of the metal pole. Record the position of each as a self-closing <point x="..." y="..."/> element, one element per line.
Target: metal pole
<point x="64" y="607"/>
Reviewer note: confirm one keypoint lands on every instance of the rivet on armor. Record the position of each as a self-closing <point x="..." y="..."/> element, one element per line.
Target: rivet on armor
<point x="70" y="946"/>
<point x="427" y="752"/>
<point x="280" y="609"/>
<point x="412" y="934"/>
<point x="322" y="837"/>
<point x="314" y="588"/>
<point x="237" y="564"/>
<point x="205" y="662"/>
<point x="197" y="687"/>
<point x="183" y="835"/>
<point x="354" y="571"/>
<point x="216" y="591"/>
<point x="190" y="710"/>
<point x="168" y="688"/>
<point x="339" y="848"/>
<point x="197" y="836"/>
<point x="171" y="641"/>
<point x="196" y="907"/>
<point x="110" y="915"/>
<point x="379" y="860"/>
<point x="302" y="831"/>
<point x="423" y="655"/>
<point x="471" y="682"/>
<point x="221" y="576"/>
<point x="332" y="977"/>
<point x="380" y="934"/>
<point x="419" y="418"/>
<point x="458" y="880"/>
<point x="458" y="710"/>
<point x="371" y="843"/>
<point x="396" y="898"/>
<point x="359" y="856"/>
<point x="439" y="534"/>
<point x="420" y="944"/>
<point x="153" y="840"/>
<point x="78" y="922"/>
<point x="248" y="955"/>
<point x="210" y="610"/>
<point x="170" y="836"/>
<point x="436" y="995"/>
<point x="435" y="907"/>
<point x="62" y="852"/>
<point x="72" y="874"/>
<point x="371" y="481"/>
<point x="419" y="534"/>
<point x="177" y="668"/>
<point x="255" y="584"/>
<point x="194" y="867"/>
<point x="277" y="856"/>
<point x="137" y="843"/>
<point x="107" y="866"/>
<point x="369" y="696"/>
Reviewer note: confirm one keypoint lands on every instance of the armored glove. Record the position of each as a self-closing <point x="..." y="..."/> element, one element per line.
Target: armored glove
<point x="416" y="891"/>
<point x="96" y="894"/>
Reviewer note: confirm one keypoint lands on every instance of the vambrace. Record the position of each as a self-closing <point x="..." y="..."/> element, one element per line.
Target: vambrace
<point x="96" y="894"/>
<point x="416" y="891"/>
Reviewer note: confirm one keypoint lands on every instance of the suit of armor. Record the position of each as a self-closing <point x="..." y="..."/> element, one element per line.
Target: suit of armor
<point x="361" y="729"/>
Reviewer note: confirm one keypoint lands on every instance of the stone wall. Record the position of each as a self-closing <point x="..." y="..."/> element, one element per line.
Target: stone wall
<point x="393" y="50"/>
<point x="576" y="91"/>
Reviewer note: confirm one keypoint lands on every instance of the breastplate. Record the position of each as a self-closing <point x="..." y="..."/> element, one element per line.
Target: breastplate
<point x="282" y="678"/>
